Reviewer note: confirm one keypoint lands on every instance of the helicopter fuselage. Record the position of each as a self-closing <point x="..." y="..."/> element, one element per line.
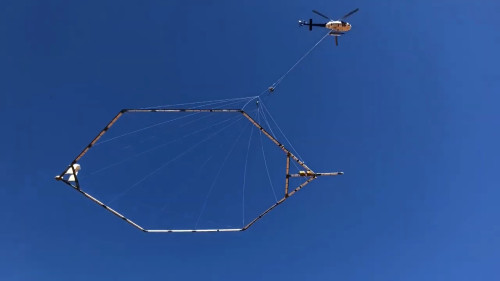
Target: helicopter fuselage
<point x="337" y="25"/>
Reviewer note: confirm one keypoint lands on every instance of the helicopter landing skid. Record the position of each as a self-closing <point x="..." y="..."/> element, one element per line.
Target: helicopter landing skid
<point x="336" y="33"/>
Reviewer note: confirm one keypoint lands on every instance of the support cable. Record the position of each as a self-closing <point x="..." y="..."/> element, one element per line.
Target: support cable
<point x="245" y="177"/>
<point x="272" y="119"/>
<point x="265" y="161"/>
<point x="266" y="122"/>
<point x="275" y="84"/>
<point x="156" y="124"/>
<point x="272" y="132"/>
<point x="198" y="102"/>
<point x="171" y="160"/>
<point x="217" y="177"/>
<point x="159" y="146"/>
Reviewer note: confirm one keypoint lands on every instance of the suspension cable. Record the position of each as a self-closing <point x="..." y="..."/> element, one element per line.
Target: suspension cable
<point x="198" y="102"/>
<point x="275" y="84"/>
<point x="173" y="159"/>
<point x="163" y="122"/>
<point x="265" y="161"/>
<point x="272" y="119"/>
<point x="245" y="177"/>
<point x="216" y="178"/>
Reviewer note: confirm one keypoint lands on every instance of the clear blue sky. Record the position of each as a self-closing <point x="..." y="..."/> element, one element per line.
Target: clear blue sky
<point x="406" y="106"/>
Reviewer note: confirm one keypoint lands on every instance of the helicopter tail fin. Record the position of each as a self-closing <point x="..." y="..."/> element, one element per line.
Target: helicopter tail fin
<point x="310" y="23"/>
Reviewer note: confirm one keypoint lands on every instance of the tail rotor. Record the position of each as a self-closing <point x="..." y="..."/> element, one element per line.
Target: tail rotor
<point x="303" y="22"/>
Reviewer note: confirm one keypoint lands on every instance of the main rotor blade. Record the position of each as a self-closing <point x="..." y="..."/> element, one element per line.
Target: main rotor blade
<point x="350" y="13"/>
<point x="320" y="14"/>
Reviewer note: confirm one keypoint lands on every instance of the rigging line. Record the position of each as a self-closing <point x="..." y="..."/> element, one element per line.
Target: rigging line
<point x="305" y="55"/>
<point x="272" y="119"/>
<point x="268" y="125"/>
<point x="262" y="98"/>
<point x="256" y="97"/>
<point x="233" y="101"/>
<point x="272" y="133"/>
<point x="190" y="103"/>
<point x="217" y="177"/>
<point x="145" y="128"/>
<point x="158" y="124"/>
<point x="208" y="115"/>
<point x="249" y="102"/>
<point x="270" y="129"/>
<point x="245" y="176"/>
<point x="265" y="161"/>
<point x="173" y="159"/>
<point x="157" y="147"/>
<point x="193" y="103"/>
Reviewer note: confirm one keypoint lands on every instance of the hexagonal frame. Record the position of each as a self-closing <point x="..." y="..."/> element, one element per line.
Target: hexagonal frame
<point x="308" y="173"/>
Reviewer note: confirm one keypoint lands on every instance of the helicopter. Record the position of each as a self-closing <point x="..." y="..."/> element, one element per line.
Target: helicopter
<point x="338" y="27"/>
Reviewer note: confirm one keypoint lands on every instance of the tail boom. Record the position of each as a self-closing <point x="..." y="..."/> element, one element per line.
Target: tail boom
<point x="311" y="24"/>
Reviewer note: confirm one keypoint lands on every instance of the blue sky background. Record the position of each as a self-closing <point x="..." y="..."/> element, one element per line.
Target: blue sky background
<point x="406" y="106"/>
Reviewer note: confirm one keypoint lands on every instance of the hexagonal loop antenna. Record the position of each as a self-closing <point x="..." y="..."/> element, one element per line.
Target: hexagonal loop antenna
<point x="70" y="175"/>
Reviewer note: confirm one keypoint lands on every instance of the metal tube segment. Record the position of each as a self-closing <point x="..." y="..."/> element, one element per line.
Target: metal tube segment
<point x="287" y="177"/>
<point x="181" y="110"/>
<point x="95" y="200"/>
<point x="101" y="133"/>
<point x="301" y="186"/>
<point x="329" y="174"/>
<point x="192" y="230"/>
<point x="278" y="203"/>
<point x="311" y="174"/>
